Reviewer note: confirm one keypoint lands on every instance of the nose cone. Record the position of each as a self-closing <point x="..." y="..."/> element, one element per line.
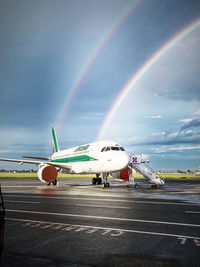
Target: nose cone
<point x="124" y="160"/>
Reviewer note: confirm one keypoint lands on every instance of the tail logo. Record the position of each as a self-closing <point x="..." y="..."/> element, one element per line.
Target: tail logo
<point x="55" y="141"/>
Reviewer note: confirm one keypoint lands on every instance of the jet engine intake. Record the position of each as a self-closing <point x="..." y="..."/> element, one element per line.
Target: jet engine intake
<point x="47" y="173"/>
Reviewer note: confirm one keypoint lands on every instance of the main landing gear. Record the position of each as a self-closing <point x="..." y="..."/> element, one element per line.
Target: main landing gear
<point x="53" y="183"/>
<point x="98" y="180"/>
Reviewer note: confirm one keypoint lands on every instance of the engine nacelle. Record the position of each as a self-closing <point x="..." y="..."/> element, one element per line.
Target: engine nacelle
<point x="47" y="173"/>
<point x="124" y="174"/>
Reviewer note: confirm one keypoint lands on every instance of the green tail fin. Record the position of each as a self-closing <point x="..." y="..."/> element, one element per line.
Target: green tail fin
<point x="55" y="141"/>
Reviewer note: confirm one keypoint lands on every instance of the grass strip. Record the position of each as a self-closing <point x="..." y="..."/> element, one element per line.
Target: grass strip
<point x="64" y="175"/>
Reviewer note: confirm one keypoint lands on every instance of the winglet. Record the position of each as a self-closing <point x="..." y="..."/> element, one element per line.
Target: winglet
<point x="55" y="141"/>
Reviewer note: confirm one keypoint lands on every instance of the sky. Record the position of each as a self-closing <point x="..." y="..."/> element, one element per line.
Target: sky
<point x="66" y="64"/>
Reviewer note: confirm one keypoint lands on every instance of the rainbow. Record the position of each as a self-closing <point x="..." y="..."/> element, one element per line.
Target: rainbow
<point x="141" y="71"/>
<point x="86" y="67"/>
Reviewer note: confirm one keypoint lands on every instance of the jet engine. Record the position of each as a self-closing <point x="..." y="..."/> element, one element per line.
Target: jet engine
<point x="47" y="173"/>
<point x="124" y="174"/>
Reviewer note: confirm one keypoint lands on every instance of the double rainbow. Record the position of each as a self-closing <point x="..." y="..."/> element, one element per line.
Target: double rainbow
<point x="141" y="71"/>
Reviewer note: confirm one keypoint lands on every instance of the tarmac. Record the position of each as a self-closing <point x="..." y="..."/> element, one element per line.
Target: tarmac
<point x="78" y="224"/>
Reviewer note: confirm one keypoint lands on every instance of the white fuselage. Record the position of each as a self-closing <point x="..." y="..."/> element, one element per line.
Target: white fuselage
<point x="98" y="157"/>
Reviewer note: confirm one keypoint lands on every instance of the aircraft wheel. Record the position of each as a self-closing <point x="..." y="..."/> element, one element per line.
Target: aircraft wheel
<point x="99" y="180"/>
<point x="94" y="181"/>
<point x="136" y="186"/>
<point x="107" y="185"/>
<point x="103" y="185"/>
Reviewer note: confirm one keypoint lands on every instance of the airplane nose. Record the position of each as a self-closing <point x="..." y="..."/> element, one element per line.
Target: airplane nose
<point x="124" y="160"/>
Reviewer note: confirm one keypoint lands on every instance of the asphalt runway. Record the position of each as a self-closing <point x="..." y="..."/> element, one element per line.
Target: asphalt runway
<point x="77" y="224"/>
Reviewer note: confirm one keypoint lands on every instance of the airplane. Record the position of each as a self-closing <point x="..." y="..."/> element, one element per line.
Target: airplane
<point x="100" y="158"/>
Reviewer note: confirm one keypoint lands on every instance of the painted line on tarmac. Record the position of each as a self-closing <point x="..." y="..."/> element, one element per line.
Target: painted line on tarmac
<point x="24" y="202"/>
<point x="100" y="206"/>
<point x="18" y="186"/>
<point x="107" y="200"/>
<point x="191" y="211"/>
<point x="102" y="217"/>
<point x="21" y="183"/>
<point x="100" y="228"/>
<point x="74" y="205"/>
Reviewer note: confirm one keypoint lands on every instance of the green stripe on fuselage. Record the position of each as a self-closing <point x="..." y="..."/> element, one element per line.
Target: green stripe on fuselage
<point x="74" y="159"/>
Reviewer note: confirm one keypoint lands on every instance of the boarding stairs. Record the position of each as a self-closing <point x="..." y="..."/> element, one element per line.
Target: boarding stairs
<point x="139" y="164"/>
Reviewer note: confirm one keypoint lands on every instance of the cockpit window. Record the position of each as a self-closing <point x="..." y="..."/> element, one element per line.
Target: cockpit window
<point x="114" y="148"/>
<point x="105" y="149"/>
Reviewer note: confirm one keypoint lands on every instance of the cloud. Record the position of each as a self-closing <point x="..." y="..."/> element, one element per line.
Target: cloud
<point x="197" y="112"/>
<point x="153" y="117"/>
<point x="169" y="138"/>
<point x="168" y="142"/>
<point x="164" y="149"/>
<point x="2" y="151"/>
<point x="191" y="124"/>
<point x="92" y="116"/>
<point x="186" y="120"/>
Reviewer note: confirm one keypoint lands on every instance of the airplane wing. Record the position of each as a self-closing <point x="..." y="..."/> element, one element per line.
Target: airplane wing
<point x="22" y="161"/>
<point x="31" y="157"/>
<point x="37" y="162"/>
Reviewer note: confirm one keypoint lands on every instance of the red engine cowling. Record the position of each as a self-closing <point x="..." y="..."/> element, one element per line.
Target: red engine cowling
<point x="47" y="173"/>
<point x="123" y="174"/>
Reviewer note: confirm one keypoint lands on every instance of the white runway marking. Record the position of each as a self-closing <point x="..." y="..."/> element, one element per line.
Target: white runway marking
<point x="104" y="218"/>
<point x="76" y="205"/>
<point x="24" y="202"/>
<point x="190" y="211"/>
<point x="18" y="186"/>
<point x="107" y="200"/>
<point x="100" y="206"/>
<point x="22" y="183"/>
<point x="105" y="228"/>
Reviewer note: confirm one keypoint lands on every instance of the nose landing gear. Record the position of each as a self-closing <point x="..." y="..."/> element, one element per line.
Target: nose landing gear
<point x="105" y="180"/>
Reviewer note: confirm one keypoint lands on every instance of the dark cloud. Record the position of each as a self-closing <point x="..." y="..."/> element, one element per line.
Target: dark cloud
<point x="169" y="142"/>
<point x="191" y="124"/>
<point x="186" y="91"/>
<point x="181" y="137"/>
